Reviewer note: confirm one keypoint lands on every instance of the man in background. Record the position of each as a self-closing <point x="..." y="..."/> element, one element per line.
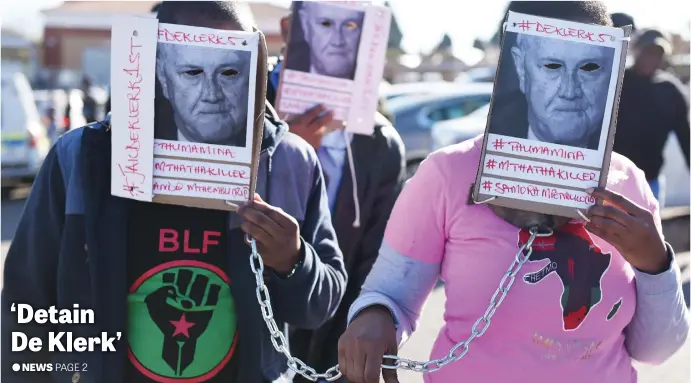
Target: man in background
<point x="653" y="104"/>
<point x="361" y="194"/>
<point x="89" y="105"/>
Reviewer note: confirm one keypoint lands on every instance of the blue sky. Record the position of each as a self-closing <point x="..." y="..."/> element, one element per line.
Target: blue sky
<point x="423" y="28"/>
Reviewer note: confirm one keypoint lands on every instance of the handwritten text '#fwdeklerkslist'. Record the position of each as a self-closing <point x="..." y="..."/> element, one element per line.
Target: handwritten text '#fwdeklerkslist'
<point x="59" y="341"/>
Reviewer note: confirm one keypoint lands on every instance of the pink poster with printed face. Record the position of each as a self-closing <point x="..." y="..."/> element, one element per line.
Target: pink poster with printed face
<point x="335" y="57"/>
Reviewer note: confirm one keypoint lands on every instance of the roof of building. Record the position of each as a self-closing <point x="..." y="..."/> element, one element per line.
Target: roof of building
<point x="395" y="33"/>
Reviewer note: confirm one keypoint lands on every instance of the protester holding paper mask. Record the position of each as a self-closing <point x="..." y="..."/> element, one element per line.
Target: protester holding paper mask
<point x="331" y="35"/>
<point x="378" y="168"/>
<point x="175" y="281"/>
<point x="609" y="289"/>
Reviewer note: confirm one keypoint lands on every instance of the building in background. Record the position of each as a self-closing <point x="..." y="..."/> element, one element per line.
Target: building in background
<point x="394" y="50"/>
<point x="439" y="64"/>
<point x="76" y="38"/>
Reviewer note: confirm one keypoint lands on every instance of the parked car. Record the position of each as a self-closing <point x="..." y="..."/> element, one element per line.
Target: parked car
<point x="479" y="74"/>
<point x="25" y="141"/>
<point x="445" y="133"/>
<point x="450" y="132"/>
<point x="414" y="116"/>
<point x="395" y="91"/>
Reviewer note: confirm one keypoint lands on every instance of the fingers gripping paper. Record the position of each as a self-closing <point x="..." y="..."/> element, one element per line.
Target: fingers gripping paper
<point x="552" y="118"/>
<point x="187" y="113"/>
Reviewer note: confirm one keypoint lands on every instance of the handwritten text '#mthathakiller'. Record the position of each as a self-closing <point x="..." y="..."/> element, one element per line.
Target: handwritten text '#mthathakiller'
<point x="544" y="170"/>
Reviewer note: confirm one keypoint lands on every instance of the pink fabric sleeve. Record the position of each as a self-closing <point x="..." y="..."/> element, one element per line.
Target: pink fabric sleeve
<point x="417" y="226"/>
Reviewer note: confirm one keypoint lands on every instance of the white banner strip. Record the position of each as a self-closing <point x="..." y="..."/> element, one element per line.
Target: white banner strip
<point x="202" y="171"/>
<point x="182" y="188"/>
<point x="544" y="151"/>
<point x="535" y="193"/>
<point x="541" y="172"/>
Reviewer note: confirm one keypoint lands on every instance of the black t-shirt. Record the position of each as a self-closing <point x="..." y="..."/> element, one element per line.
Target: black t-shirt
<point x="182" y="323"/>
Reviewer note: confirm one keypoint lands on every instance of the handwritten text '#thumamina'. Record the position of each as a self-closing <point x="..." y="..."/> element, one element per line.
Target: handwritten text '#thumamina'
<point x="133" y="177"/>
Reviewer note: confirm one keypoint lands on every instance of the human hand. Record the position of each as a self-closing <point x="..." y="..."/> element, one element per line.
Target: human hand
<point x="361" y="348"/>
<point x="277" y="234"/>
<point x="312" y="124"/>
<point x="630" y="229"/>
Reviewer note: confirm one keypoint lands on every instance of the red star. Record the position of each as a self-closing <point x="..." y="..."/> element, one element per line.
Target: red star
<point x="182" y="326"/>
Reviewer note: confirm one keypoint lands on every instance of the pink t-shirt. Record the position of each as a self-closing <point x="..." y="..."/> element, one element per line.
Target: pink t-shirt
<point x="564" y="317"/>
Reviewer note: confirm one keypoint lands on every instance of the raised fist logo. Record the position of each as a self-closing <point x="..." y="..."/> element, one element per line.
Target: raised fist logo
<point x="182" y="309"/>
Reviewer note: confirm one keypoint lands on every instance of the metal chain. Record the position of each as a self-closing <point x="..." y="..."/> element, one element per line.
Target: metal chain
<point x="457" y="352"/>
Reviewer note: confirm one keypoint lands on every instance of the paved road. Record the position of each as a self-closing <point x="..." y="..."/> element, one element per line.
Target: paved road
<point x="676" y="370"/>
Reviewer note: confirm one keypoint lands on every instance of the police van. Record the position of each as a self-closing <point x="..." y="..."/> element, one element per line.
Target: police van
<point x="25" y="141"/>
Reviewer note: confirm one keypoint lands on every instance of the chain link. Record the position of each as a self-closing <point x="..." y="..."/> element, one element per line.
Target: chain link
<point x="395" y="362"/>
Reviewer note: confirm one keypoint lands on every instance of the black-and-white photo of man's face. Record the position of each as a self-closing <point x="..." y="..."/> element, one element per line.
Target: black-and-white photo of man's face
<point x="565" y="85"/>
<point x="333" y="35"/>
<point x="208" y="90"/>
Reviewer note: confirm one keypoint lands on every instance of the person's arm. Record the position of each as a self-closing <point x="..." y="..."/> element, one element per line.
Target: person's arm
<point x="311" y="294"/>
<point x="681" y="120"/>
<point x="392" y="179"/>
<point x="29" y="273"/>
<point x="660" y="324"/>
<point x="409" y="261"/>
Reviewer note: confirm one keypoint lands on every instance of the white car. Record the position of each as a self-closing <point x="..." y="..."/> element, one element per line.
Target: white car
<point x="25" y="141"/>
<point x="414" y="116"/>
<point x="675" y="172"/>
<point x="395" y="91"/>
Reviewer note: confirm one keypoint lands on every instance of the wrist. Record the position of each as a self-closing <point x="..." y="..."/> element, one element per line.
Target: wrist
<point x="292" y="264"/>
<point x="657" y="264"/>
<point x="378" y="310"/>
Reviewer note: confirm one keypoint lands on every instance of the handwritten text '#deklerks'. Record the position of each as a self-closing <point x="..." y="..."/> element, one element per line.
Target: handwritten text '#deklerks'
<point x="578" y="34"/>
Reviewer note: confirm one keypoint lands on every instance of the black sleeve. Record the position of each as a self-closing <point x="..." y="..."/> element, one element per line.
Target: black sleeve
<point x="680" y="105"/>
<point x="270" y="91"/>
<point x="29" y="274"/>
<point x="106" y="107"/>
<point x="391" y="182"/>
